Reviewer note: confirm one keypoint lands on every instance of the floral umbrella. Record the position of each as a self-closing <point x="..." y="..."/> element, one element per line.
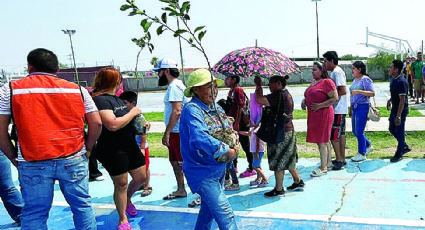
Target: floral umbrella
<point x="255" y="61"/>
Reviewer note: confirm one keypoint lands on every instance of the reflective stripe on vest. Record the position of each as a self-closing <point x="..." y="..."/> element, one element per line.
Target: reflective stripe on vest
<point x="49" y="116"/>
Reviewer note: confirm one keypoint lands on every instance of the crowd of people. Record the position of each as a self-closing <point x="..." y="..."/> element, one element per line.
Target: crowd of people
<point x="72" y="125"/>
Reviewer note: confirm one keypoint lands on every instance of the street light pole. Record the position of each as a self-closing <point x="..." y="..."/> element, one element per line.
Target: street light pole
<point x="317" y="28"/>
<point x="70" y="33"/>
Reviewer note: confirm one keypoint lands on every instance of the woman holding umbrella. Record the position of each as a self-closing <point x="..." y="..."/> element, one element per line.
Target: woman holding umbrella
<point x="281" y="156"/>
<point x="319" y="98"/>
<point x="238" y="100"/>
<point x="203" y="153"/>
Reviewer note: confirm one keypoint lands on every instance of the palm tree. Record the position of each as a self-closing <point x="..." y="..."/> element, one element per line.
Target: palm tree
<point x="154" y="62"/>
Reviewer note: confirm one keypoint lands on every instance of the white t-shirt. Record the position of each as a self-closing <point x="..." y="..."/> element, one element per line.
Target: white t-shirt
<point x="175" y="93"/>
<point x="338" y="76"/>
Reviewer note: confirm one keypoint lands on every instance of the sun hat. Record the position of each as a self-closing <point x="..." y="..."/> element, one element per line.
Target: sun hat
<point x="200" y="77"/>
<point x="166" y="63"/>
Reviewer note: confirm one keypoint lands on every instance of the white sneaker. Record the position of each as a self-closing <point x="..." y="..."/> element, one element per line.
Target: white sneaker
<point x="358" y="157"/>
<point x="369" y="150"/>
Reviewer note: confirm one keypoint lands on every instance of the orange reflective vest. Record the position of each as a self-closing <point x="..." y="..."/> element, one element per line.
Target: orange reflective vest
<point x="49" y="116"/>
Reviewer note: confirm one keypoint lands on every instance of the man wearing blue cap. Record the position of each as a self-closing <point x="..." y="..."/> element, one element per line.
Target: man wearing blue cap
<point x="174" y="100"/>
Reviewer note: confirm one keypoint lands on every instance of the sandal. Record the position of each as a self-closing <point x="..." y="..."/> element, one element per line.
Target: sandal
<point x="318" y="172"/>
<point x="195" y="202"/>
<point x="171" y="196"/>
<point x="146" y="191"/>
<point x="124" y="226"/>
<point x="131" y="210"/>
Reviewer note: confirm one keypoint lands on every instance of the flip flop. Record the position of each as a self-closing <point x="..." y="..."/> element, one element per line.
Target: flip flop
<point x="146" y="191"/>
<point x="318" y="172"/>
<point x="195" y="202"/>
<point x="172" y="197"/>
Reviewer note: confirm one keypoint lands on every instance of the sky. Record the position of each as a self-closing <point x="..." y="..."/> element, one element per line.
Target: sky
<point x="103" y="32"/>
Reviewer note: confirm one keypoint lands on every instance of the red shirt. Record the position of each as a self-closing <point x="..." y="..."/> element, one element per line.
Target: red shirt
<point x="238" y="100"/>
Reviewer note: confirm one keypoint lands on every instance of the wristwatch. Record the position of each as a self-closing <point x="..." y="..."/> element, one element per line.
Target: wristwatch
<point x="398" y="118"/>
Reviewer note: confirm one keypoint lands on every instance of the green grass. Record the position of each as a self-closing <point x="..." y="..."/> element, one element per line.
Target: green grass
<point x="154" y="116"/>
<point x="383" y="142"/>
<point x="298" y="114"/>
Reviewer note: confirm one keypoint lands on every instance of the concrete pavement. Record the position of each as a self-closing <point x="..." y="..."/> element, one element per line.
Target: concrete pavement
<point x="374" y="194"/>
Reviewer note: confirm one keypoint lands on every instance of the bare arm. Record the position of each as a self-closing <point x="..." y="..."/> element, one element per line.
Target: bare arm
<point x="333" y="97"/>
<point x="262" y="100"/>
<point x="5" y="143"/>
<point x="115" y="123"/>
<point x="363" y="92"/>
<point x="341" y="91"/>
<point x="94" y="129"/>
<point x="174" y="118"/>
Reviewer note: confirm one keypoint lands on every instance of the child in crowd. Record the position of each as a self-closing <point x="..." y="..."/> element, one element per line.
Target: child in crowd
<point x="257" y="150"/>
<point x="233" y="184"/>
<point x="130" y="100"/>
<point x="257" y="145"/>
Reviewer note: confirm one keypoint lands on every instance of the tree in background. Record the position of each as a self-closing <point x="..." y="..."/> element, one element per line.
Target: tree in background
<point x="193" y="37"/>
<point x="349" y="57"/>
<point x="382" y="61"/>
<point x="155" y="62"/>
<point x="63" y="66"/>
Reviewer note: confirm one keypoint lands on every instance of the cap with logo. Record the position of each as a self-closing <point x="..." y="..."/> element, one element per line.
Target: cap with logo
<point x="166" y="63"/>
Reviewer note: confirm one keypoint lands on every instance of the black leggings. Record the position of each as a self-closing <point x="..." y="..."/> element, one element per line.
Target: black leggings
<point x="244" y="140"/>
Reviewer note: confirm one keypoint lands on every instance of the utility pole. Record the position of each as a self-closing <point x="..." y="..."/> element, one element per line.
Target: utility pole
<point x="317" y="28"/>
<point x="70" y="33"/>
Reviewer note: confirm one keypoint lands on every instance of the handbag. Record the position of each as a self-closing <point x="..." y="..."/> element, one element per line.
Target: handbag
<point x="138" y="125"/>
<point x="373" y="114"/>
<point x="272" y="126"/>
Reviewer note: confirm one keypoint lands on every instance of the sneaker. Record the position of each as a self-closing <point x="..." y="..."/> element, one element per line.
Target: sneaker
<point x="227" y="183"/>
<point x="248" y="173"/>
<point x="254" y="182"/>
<point x="274" y="193"/>
<point x="369" y="150"/>
<point x="263" y="184"/>
<point x="406" y="149"/>
<point x="343" y="163"/>
<point x="396" y="158"/>
<point x="296" y="186"/>
<point x="99" y="178"/>
<point x="232" y="187"/>
<point x="337" y="166"/>
<point x="358" y="157"/>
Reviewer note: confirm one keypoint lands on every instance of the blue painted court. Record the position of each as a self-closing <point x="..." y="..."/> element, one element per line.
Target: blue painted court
<point x="374" y="194"/>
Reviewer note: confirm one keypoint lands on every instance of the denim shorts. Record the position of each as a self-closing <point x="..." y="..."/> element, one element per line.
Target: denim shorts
<point x="256" y="163"/>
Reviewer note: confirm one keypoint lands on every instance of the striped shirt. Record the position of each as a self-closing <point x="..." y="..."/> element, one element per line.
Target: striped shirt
<point x="5" y="109"/>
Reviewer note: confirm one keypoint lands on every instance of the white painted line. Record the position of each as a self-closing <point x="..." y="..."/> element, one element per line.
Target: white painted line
<point x="274" y="215"/>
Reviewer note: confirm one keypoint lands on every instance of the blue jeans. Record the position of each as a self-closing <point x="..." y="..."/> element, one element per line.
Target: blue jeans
<point x="230" y="171"/>
<point x="214" y="206"/>
<point x="10" y="196"/>
<point x="398" y="131"/>
<point x="358" y="122"/>
<point x="37" y="182"/>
